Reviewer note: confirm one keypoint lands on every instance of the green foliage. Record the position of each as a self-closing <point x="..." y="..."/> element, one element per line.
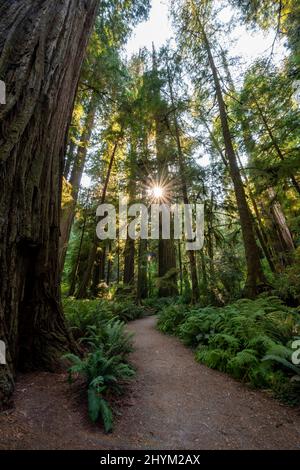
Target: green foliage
<point x="198" y="326"/>
<point x="105" y="367"/>
<point x="288" y="392"/>
<point x="127" y="310"/>
<point x="111" y="338"/>
<point x="171" y="317"/>
<point x="224" y="341"/>
<point x="287" y="283"/>
<point x="240" y="365"/>
<point x="81" y="314"/>
<point x="102" y="375"/>
<point x="236" y="339"/>
<point x="158" y="303"/>
<point x="214" y="358"/>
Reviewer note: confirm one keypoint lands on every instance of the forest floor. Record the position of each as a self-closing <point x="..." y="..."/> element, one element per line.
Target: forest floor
<point x="173" y="403"/>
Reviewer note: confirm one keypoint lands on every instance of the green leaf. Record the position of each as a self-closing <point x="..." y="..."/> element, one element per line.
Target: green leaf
<point x="94" y="400"/>
<point x="106" y="414"/>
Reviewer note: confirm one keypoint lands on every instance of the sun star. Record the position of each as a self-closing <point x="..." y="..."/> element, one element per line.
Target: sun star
<point x="157" y="192"/>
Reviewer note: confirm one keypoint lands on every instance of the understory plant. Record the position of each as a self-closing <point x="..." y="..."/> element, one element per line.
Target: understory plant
<point x="105" y="366"/>
<point x="81" y="314"/>
<point x="249" y="339"/>
<point x="103" y="376"/>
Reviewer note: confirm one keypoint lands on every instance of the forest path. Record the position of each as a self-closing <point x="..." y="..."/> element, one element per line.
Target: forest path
<point x="174" y="403"/>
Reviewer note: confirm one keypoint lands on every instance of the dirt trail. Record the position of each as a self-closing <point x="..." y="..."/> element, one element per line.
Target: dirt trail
<point x="174" y="403"/>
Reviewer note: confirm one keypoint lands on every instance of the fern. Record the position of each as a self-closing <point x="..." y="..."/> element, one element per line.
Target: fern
<point x="260" y="343"/>
<point x="240" y="366"/>
<point x="171" y="317"/>
<point x="224" y="341"/>
<point x="284" y="362"/>
<point x="214" y="358"/>
<point x="103" y="375"/>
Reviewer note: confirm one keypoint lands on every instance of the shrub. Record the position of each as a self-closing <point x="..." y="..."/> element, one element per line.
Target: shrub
<point x="198" y="326"/>
<point x="158" y="303"/>
<point x="214" y="358"/>
<point x="80" y="314"/>
<point x="241" y="365"/>
<point x="127" y="310"/>
<point x="98" y="324"/>
<point x="235" y="339"/>
<point x="171" y="317"/>
<point x="102" y="375"/>
<point x="111" y="338"/>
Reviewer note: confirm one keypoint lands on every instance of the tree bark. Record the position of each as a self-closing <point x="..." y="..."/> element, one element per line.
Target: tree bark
<point x="281" y="225"/>
<point x="99" y="269"/>
<point x="42" y="45"/>
<point x="129" y="253"/>
<point x="69" y="158"/>
<point x="142" y="280"/>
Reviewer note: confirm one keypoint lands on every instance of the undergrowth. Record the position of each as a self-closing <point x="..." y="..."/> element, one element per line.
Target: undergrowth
<point x="99" y="326"/>
<point x="249" y="339"/>
<point x="81" y="314"/>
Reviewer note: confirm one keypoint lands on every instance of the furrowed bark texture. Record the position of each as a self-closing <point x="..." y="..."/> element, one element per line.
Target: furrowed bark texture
<point x="42" y="44"/>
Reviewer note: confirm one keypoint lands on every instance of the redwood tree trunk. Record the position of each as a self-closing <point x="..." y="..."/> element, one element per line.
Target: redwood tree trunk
<point x="42" y="45"/>
<point x="129" y="253"/>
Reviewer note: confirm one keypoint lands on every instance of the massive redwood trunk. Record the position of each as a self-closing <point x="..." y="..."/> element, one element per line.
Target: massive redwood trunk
<point x="42" y="45"/>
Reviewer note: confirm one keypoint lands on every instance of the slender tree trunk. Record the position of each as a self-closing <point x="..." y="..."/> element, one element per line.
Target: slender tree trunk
<point x="99" y="270"/>
<point x="109" y="263"/>
<point x="166" y="248"/>
<point x="274" y="142"/>
<point x="204" y="273"/>
<point x="76" y="265"/>
<point x="84" y="285"/>
<point x="142" y="281"/>
<point x="69" y="160"/>
<point x="129" y="253"/>
<point x="180" y="267"/>
<point x="181" y="161"/>
<point x="68" y="212"/>
<point x="42" y="45"/>
<point x="255" y="278"/>
<point x="281" y="225"/>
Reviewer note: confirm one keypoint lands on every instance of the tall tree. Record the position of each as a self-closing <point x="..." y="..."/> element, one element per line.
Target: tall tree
<point x="42" y="45"/>
<point x="68" y="211"/>
<point x="184" y="187"/>
<point x="196" y="19"/>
